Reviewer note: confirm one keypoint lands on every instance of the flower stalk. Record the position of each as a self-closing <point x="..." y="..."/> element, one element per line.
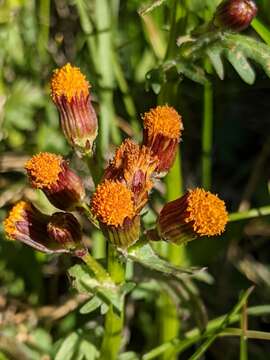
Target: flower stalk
<point x="111" y="343"/>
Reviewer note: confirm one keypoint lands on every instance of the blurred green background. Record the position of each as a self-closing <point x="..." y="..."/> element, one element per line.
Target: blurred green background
<point x="116" y="47"/>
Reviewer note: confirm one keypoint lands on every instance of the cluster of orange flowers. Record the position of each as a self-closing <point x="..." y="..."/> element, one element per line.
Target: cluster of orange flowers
<point x="124" y="188"/>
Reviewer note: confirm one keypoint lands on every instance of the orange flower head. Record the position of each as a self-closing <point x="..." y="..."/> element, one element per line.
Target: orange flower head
<point x="133" y="165"/>
<point x="197" y="213"/>
<point x="112" y="203"/>
<point x="69" y="82"/>
<point x="161" y="134"/>
<point x="16" y="214"/>
<point x="52" y="174"/>
<point x="78" y="120"/>
<point x="163" y="120"/>
<point x="44" y="169"/>
<point x="207" y="213"/>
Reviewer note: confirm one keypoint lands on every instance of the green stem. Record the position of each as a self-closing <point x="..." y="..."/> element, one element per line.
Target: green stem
<point x="184" y="344"/>
<point x="88" y="213"/>
<point x="168" y="312"/>
<point x="93" y="167"/>
<point x="195" y="335"/>
<point x="44" y="19"/>
<point x="252" y="213"/>
<point x="105" y="47"/>
<point x="261" y="29"/>
<point x="128" y="101"/>
<point x="113" y="322"/>
<point x="98" y="270"/>
<point x="243" y="339"/>
<point x="207" y="136"/>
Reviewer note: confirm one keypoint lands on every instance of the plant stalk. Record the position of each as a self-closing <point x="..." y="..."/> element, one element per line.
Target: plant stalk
<point x="168" y="312"/>
<point x="207" y="136"/>
<point x="43" y="36"/>
<point x="98" y="270"/>
<point x="111" y="343"/>
<point x="252" y="213"/>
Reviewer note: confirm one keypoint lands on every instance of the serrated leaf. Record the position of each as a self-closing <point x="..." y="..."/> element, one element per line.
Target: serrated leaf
<point x="214" y="54"/>
<point x="91" y="305"/>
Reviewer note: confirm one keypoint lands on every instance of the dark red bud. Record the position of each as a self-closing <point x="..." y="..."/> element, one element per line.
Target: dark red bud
<point x="64" y="229"/>
<point x="235" y="15"/>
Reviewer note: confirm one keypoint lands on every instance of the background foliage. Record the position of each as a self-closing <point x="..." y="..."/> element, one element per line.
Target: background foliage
<point x="116" y="43"/>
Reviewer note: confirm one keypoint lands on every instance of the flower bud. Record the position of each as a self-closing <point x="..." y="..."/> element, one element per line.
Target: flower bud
<point x="64" y="228"/>
<point x="198" y="213"/>
<point x="113" y="206"/>
<point x="133" y="165"/>
<point x="235" y="15"/>
<point x="27" y="224"/>
<point x="70" y="93"/>
<point x="51" y="174"/>
<point x="162" y="130"/>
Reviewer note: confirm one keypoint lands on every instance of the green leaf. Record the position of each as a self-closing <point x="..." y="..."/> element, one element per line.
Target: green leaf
<point x="130" y="355"/>
<point x="253" y="49"/>
<point x="241" y="65"/>
<point x="87" y="351"/>
<point x="68" y="347"/>
<point x="91" y="305"/>
<point x="107" y="292"/>
<point x="23" y="99"/>
<point x="192" y="72"/>
<point x="42" y="339"/>
<point x="144" y="254"/>
<point x="154" y="80"/>
<point x="214" y="54"/>
<point x="236" y="48"/>
<point x="77" y="346"/>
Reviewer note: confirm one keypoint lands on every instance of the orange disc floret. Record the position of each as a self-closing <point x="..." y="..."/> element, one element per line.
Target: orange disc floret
<point x="207" y="213"/>
<point x="163" y="120"/>
<point x="112" y="203"/>
<point x="69" y="82"/>
<point x="43" y="169"/>
<point x="15" y="214"/>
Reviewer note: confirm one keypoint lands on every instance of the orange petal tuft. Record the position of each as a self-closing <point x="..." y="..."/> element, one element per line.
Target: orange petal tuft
<point x="69" y="82"/>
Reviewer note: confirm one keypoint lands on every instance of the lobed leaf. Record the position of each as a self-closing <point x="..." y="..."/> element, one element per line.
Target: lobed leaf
<point x="105" y="293"/>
